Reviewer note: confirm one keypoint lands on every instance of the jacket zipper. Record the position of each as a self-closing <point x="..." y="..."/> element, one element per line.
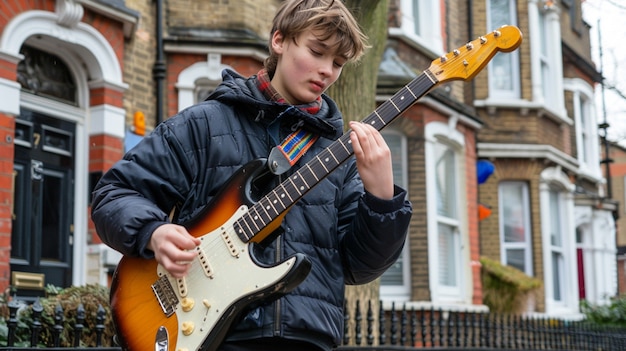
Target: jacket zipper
<point x="277" y="259"/>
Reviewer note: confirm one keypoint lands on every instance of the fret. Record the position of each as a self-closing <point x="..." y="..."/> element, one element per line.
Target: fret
<point x="322" y="163"/>
<point x="317" y="179"/>
<point x="430" y="76"/>
<point x="242" y="231"/>
<point x="253" y="214"/>
<point x="239" y="231"/>
<point x="394" y="105"/>
<point x="331" y="154"/>
<point x="319" y="169"/>
<point x="380" y="118"/>
<point x="347" y="150"/>
<point x="299" y="183"/>
<point x="277" y="200"/>
<point x="285" y="193"/>
<point x="295" y="187"/>
<point x="411" y="91"/>
<point x="267" y="208"/>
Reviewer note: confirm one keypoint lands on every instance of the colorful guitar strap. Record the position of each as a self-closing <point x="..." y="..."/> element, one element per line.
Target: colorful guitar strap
<point x="284" y="156"/>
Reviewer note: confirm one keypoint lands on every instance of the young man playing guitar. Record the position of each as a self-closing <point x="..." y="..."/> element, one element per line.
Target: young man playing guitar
<point x="350" y="227"/>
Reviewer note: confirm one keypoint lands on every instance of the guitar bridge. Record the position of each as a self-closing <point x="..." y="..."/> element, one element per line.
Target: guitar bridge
<point x="165" y="295"/>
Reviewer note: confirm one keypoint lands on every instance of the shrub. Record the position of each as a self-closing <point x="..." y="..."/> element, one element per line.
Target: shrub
<point x="613" y="314"/>
<point x="69" y="299"/>
<point x="505" y="288"/>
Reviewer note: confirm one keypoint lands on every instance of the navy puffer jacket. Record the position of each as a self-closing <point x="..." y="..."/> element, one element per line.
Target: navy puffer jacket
<point x="350" y="236"/>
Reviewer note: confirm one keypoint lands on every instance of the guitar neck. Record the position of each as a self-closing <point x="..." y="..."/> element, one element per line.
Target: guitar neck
<point x="292" y="189"/>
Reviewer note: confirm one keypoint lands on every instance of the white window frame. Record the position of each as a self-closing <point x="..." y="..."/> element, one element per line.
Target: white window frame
<point x="546" y="56"/>
<point x="554" y="180"/>
<point x="429" y="36"/>
<point x="526" y="245"/>
<point x="437" y="132"/>
<point x="587" y="140"/>
<point x="512" y="57"/>
<point x="400" y="292"/>
<point x="200" y="75"/>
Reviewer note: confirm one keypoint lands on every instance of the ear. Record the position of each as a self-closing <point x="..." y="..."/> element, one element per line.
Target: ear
<point x="278" y="42"/>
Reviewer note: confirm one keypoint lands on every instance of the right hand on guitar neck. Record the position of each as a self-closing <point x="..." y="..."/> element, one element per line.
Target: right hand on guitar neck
<point x="173" y="248"/>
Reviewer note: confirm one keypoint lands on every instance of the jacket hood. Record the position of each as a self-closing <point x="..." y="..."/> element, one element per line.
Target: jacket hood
<point x="243" y="92"/>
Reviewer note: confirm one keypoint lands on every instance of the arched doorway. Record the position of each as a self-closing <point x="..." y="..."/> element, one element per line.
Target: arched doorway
<point x="44" y="161"/>
<point x="72" y="92"/>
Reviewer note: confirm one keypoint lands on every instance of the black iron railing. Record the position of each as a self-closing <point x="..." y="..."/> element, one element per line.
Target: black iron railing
<point x="440" y="329"/>
<point x="373" y="329"/>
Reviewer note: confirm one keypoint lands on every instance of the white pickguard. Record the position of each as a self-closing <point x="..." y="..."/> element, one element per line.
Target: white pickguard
<point x="223" y="274"/>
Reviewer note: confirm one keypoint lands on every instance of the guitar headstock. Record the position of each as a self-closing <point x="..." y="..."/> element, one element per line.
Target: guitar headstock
<point x="465" y="62"/>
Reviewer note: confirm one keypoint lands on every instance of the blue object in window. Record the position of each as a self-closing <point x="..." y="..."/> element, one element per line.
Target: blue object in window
<point x="484" y="169"/>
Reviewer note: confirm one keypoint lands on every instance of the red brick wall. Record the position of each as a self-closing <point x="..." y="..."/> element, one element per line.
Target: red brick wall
<point x="7" y="133"/>
<point x="621" y="277"/>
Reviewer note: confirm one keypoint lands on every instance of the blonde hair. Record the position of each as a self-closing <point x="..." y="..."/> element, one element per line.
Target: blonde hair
<point x="327" y="18"/>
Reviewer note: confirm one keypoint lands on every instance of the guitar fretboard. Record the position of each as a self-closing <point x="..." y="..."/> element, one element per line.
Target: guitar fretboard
<point x="272" y="205"/>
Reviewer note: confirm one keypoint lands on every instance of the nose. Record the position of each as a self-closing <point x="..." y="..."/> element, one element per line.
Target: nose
<point x="326" y="68"/>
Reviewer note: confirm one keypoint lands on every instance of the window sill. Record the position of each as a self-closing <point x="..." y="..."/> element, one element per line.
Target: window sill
<point x="525" y="107"/>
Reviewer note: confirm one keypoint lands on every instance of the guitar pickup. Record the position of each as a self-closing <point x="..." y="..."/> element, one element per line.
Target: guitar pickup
<point x="229" y="243"/>
<point x="204" y="262"/>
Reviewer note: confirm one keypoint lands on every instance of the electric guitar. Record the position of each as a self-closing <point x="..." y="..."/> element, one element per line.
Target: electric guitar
<point x="196" y="312"/>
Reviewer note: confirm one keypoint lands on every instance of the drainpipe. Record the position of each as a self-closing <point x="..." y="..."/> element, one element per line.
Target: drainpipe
<point x="158" y="71"/>
<point x="604" y="126"/>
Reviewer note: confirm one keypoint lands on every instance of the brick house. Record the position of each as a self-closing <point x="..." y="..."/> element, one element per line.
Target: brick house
<point x="551" y="218"/>
<point x="439" y="265"/>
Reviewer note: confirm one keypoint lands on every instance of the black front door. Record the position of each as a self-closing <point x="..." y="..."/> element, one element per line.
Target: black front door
<point x="41" y="239"/>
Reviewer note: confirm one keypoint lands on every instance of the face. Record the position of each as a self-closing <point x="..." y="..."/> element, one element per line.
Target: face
<point x="306" y="67"/>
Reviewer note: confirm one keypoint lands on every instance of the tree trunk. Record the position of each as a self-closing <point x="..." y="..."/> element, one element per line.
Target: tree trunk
<point x="355" y="93"/>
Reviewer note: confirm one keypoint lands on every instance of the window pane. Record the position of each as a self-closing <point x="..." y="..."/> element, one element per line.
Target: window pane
<point x="555" y="219"/>
<point x="513" y="214"/>
<point x="500" y="13"/>
<point x="585" y="128"/>
<point x="445" y="176"/>
<point x="515" y="225"/>
<point x="502" y="68"/>
<point x="557" y="269"/>
<point x="45" y="74"/>
<point x="515" y="258"/>
<point x="394" y="275"/>
<point x="447" y="255"/>
<point x="394" y="141"/>
<point x="416" y="17"/>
